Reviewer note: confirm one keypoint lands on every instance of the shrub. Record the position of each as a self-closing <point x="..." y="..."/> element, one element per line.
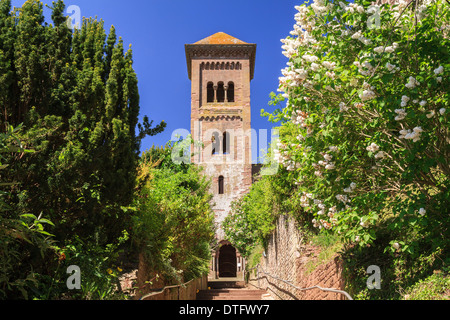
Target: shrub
<point x="174" y="223"/>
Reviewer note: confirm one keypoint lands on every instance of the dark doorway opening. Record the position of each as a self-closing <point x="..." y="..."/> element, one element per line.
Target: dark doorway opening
<point x="227" y="262"/>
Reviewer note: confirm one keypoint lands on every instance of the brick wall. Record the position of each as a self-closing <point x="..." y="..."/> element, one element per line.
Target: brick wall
<point x="287" y="258"/>
<point x="144" y="275"/>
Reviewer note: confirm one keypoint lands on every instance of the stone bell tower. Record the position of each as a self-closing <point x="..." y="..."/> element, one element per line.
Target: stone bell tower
<point x="221" y="68"/>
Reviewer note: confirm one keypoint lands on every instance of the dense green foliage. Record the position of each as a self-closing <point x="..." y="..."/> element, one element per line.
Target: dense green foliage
<point x="364" y="135"/>
<point x="76" y="95"/>
<point x="22" y="232"/>
<point x="253" y="216"/>
<point x="174" y="223"/>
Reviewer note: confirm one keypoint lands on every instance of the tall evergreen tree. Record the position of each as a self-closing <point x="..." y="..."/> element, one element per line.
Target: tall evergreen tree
<point x="77" y="95"/>
<point x="30" y="55"/>
<point x="58" y="39"/>
<point x="7" y="30"/>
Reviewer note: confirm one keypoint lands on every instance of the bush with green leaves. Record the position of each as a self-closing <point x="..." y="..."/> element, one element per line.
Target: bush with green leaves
<point x="435" y="287"/>
<point x="174" y="223"/>
<point x="21" y="237"/>
<point x="252" y="218"/>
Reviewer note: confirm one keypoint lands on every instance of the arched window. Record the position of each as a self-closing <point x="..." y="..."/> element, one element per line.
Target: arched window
<point x="220" y="92"/>
<point x="221" y="185"/>
<point x="210" y="92"/>
<point x="226" y="142"/>
<point x="230" y="92"/>
<point x="215" y="143"/>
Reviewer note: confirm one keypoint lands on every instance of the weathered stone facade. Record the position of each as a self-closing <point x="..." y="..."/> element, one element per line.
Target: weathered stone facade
<point x="221" y="68"/>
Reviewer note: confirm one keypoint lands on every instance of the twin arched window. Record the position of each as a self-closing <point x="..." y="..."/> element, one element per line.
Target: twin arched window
<point x="225" y="143"/>
<point x="219" y="93"/>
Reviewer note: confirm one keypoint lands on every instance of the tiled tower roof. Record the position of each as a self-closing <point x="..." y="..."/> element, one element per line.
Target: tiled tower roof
<point x="222" y="45"/>
<point x="220" y="38"/>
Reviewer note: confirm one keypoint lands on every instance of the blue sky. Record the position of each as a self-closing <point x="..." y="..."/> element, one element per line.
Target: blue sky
<point x="158" y="31"/>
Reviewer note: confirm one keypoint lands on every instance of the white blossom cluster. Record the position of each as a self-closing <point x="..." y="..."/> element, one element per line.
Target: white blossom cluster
<point x="401" y="114"/>
<point x="320" y="8"/>
<point x="405" y="100"/>
<point x="374" y="148"/>
<point x="399" y="7"/>
<point x="283" y="157"/>
<point x="326" y="164"/>
<point x="437" y="72"/>
<point x="343" y="198"/>
<point x="389" y="49"/>
<point x="365" y="68"/>
<point x="351" y="188"/>
<point x="367" y="94"/>
<point x="392" y="67"/>
<point x="422" y="212"/>
<point x="352" y="7"/>
<point x="301" y="73"/>
<point x="343" y="107"/>
<point x="290" y="47"/>
<point x="292" y="78"/>
<point x="412" y="83"/>
<point x="364" y="223"/>
<point x="413" y="135"/>
<point x="298" y="118"/>
<point x="307" y="200"/>
<point x="359" y="36"/>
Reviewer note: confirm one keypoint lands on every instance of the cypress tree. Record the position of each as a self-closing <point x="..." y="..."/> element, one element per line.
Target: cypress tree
<point x="6" y="61"/>
<point x="59" y="38"/>
<point x="30" y="54"/>
<point x="110" y="43"/>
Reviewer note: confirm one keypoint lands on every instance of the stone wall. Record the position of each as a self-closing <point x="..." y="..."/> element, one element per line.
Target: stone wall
<point x="287" y="258"/>
<point x="326" y="275"/>
<point x="147" y="282"/>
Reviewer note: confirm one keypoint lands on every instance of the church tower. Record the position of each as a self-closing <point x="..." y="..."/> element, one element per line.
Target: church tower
<point x="221" y="68"/>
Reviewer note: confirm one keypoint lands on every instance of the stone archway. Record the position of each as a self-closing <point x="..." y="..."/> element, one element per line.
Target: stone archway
<point x="227" y="262"/>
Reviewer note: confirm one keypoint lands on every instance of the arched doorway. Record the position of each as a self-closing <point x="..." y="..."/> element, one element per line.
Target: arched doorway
<point x="227" y="262"/>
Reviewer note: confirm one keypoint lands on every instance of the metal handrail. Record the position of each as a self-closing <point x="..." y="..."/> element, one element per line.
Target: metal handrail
<point x="164" y="289"/>
<point x="301" y="289"/>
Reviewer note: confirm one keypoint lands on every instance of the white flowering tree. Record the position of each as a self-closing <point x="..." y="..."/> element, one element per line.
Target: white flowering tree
<point x="365" y="129"/>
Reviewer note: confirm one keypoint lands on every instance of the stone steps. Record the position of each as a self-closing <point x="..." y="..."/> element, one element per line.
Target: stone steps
<point x="231" y="294"/>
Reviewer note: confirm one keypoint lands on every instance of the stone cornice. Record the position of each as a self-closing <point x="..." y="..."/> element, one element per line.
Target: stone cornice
<point x="221" y="111"/>
<point x="217" y="117"/>
<point x="214" y="51"/>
